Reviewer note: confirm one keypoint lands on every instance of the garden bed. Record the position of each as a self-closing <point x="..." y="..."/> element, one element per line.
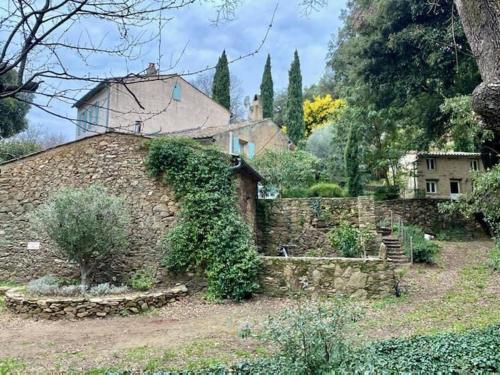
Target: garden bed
<point x="59" y="307"/>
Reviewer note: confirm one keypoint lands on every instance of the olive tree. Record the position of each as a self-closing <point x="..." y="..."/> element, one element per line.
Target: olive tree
<point x="86" y="224"/>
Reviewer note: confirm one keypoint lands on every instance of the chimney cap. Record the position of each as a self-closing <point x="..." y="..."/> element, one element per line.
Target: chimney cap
<point x="151" y="70"/>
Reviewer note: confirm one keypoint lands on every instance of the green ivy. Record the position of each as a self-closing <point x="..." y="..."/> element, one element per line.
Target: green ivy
<point x="210" y="237"/>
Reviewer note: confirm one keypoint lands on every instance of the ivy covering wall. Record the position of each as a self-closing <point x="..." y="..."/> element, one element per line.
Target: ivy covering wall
<point x="211" y="236"/>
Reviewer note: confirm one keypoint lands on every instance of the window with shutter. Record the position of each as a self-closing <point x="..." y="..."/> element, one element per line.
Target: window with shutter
<point x="236" y="146"/>
<point x="176" y="93"/>
<point x="251" y="150"/>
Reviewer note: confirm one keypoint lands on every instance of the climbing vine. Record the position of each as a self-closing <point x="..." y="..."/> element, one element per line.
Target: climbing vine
<point x="210" y="237"/>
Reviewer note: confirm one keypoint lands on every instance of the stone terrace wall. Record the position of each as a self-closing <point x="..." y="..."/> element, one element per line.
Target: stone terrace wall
<point x="54" y="308"/>
<point x="421" y="212"/>
<point x="359" y="278"/>
<point x="113" y="160"/>
<point x="302" y="222"/>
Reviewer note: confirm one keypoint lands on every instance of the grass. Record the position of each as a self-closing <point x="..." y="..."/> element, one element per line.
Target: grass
<point x="9" y="283"/>
<point x="467" y="304"/>
<point x="11" y="366"/>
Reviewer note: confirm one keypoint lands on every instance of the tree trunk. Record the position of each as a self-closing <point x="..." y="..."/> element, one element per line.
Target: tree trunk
<point x="481" y="22"/>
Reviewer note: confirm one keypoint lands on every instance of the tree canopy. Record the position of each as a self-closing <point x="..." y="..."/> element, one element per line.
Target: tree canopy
<point x="294" y="115"/>
<point x="267" y="90"/>
<point x="221" y="84"/>
<point x="12" y="111"/>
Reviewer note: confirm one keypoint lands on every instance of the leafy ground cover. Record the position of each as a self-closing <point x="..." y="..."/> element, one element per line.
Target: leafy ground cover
<point x="456" y="294"/>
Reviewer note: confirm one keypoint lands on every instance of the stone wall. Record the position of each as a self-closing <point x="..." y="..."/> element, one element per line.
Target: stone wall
<point x="359" y="278"/>
<point x="421" y="212"/>
<point x="113" y="160"/>
<point x="303" y="223"/>
<point x="54" y="308"/>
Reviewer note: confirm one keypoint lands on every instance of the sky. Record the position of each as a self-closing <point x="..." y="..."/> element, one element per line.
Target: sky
<point x="193" y="41"/>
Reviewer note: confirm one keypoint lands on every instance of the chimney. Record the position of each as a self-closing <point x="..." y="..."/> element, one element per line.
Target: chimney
<point x="151" y="70"/>
<point x="255" y="113"/>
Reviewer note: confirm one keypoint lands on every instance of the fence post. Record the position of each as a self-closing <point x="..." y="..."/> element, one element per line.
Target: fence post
<point x="411" y="249"/>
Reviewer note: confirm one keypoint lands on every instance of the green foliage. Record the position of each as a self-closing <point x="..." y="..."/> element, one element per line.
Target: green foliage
<point x="210" y="236"/>
<point x="267" y="90"/>
<point x="310" y="339"/>
<point x="484" y="199"/>
<point x="472" y="352"/>
<point x="142" y="279"/>
<point x="295" y="192"/>
<point x="13" y="149"/>
<point x="52" y="286"/>
<point x="10" y="365"/>
<point x="349" y="240"/>
<point x="326" y="190"/>
<point x="87" y="224"/>
<point x="424" y="251"/>
<point x="13" y="111"/>
<point x="494" y="258"/>
<point x="466" y="132"/>
<point x="386" y="192"/>
<point x="294" y="117"/>
<point x="374" y="64"/>
<point x="354" y="187"/>
<point x="395" y="99"/>
<point x="221" y="84"/>
<point x="285" y="170"/>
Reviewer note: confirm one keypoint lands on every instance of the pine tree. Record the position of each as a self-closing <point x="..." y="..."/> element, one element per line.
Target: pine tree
<point x="294" y="116"/>
<point x="221" y="83"/>
<point x="354" y="187"/>
<point x="267" y="91"/>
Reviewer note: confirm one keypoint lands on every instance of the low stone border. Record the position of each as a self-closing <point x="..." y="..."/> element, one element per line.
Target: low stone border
<point x="55" y="308"/>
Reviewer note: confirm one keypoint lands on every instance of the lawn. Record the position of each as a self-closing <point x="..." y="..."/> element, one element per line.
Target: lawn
<point x="457" y="294"/>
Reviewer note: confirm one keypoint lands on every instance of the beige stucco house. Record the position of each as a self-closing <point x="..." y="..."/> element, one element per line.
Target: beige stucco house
<point x="249" y="138"/>
<point x="149" y="104"/>
<point x="439" y="174"/>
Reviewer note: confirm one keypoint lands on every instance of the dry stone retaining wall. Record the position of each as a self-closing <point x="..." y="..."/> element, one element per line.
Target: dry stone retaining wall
<point x="55" y="308"/>
<point x="113" y="160"/>
<point x="358" y="278"/>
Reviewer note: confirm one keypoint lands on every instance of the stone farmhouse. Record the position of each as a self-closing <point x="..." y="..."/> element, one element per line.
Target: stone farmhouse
<point x="115" y="161"/>
<point x="439" y="174"/>
<point x="149" y="104"/>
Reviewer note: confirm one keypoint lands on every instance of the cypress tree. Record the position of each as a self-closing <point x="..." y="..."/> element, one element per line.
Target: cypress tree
<point x="354" y="187"/>
<point x="267" y="91"/>
<point x="221" y="83"/>
<point x="294" y="115"/>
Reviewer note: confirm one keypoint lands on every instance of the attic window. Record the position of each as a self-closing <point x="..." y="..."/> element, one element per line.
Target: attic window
<point x="176" y="93"/>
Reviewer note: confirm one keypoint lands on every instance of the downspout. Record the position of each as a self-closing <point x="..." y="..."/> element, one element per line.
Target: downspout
<point x="236" y="167"/>
<point x="107" y="109"/>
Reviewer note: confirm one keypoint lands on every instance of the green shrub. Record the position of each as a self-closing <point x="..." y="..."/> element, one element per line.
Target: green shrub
<point x="51" y="286"/>
<point x="424" y="251"/>
<point x="86" y="224"/>
<point x="473" y="352"/>
<point x="142" y="279"/>
<point x="210" y="236"/>
<point x="387" y="192"/>
<point x="284" y="170"/>
<point x="309" y="339"/>
<point x="326" y="190"/>
<point x="349" y="240"/>
<point x="494" y="258"/>
<point x="13" y="149"/>
<point x="295" y="192"/>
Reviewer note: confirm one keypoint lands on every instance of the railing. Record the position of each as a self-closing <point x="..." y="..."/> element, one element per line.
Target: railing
<point x="405" y="238"/>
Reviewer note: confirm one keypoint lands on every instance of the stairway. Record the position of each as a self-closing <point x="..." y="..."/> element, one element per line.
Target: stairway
<point x="395" y="253"/>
